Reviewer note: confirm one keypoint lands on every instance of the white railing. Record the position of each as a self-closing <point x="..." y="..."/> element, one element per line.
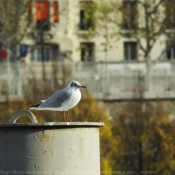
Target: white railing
<point x="103" y="80"/>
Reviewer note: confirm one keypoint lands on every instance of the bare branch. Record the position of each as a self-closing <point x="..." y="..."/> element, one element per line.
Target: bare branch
<point x="156" y="7"/>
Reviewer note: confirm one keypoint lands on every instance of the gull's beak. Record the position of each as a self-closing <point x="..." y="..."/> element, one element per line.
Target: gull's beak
<point x="82" y="86"/>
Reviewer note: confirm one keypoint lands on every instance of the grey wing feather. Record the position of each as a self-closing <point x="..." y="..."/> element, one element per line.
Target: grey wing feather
<point x="56" y="99"/>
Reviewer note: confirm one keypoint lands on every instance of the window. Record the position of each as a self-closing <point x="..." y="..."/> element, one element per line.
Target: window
<point x="42" y="15"/>
<point x="129" y="12"/>
<point x="170" y="15"/>
<point x="46" y="54"/>
<point x="130" y="50"/>
<point x="55" y="11"/>
<point x="86" y="15"/>
<point x="50" y="52"/>
<point x="87" y="51"/>
<point x="170" y="49"/>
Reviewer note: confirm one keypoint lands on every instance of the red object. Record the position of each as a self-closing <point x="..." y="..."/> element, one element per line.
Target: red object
<point x="55" y="11"/>
<point x="42" y="10"/>
<point x="3" y="53"/>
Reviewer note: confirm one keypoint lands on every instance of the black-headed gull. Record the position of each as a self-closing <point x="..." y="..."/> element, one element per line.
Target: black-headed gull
<point x="62" y="100"/>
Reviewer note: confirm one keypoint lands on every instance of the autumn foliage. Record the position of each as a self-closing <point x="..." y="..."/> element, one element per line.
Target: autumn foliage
<point x="145" y="138"/>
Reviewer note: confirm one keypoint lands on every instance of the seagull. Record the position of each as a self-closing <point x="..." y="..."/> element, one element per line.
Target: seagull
<point x="62" y="100"/>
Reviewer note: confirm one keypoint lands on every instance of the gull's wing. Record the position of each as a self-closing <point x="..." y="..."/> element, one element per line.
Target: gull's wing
<point x="56" y="99"/>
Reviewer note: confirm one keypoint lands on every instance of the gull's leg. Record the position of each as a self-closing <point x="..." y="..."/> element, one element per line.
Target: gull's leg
<point x="68" y="116"/>
<point x="64" y="116"/>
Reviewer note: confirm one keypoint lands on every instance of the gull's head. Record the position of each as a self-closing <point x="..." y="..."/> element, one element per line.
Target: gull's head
<point x="75" y="85"/>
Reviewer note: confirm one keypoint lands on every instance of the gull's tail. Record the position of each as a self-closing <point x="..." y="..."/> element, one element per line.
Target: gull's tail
<point x="34" y="106"/>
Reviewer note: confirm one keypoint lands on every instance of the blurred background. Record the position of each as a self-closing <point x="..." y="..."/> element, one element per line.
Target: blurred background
<point x="123" y="51"/>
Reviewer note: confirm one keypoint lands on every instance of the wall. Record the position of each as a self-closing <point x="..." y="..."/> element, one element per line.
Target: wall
<point x="67" y="35"/>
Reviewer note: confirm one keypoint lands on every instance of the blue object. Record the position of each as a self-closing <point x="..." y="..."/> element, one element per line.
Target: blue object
<point x="23" y="49"/>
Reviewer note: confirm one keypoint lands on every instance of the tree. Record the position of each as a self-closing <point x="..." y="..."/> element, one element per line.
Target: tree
<point x="99" y="17"/>
<point x="106" y="13"/>
<point x="14" y="26"/>
<point x="15" y="23"/>
<point x="146" y="21"/>
<point x="145" y="138"/>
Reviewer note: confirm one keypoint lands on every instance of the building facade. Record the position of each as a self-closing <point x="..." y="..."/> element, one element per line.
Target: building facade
<point x="62" y="30"/>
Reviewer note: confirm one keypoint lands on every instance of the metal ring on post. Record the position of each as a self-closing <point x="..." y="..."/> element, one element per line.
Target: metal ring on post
<point x="28" y="113"/>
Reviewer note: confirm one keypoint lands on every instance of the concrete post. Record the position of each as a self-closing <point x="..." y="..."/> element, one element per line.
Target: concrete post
<point x="50" y="148"/>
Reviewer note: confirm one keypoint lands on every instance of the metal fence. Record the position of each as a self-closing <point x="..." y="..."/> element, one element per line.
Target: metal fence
<point x="104" y="80"/>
